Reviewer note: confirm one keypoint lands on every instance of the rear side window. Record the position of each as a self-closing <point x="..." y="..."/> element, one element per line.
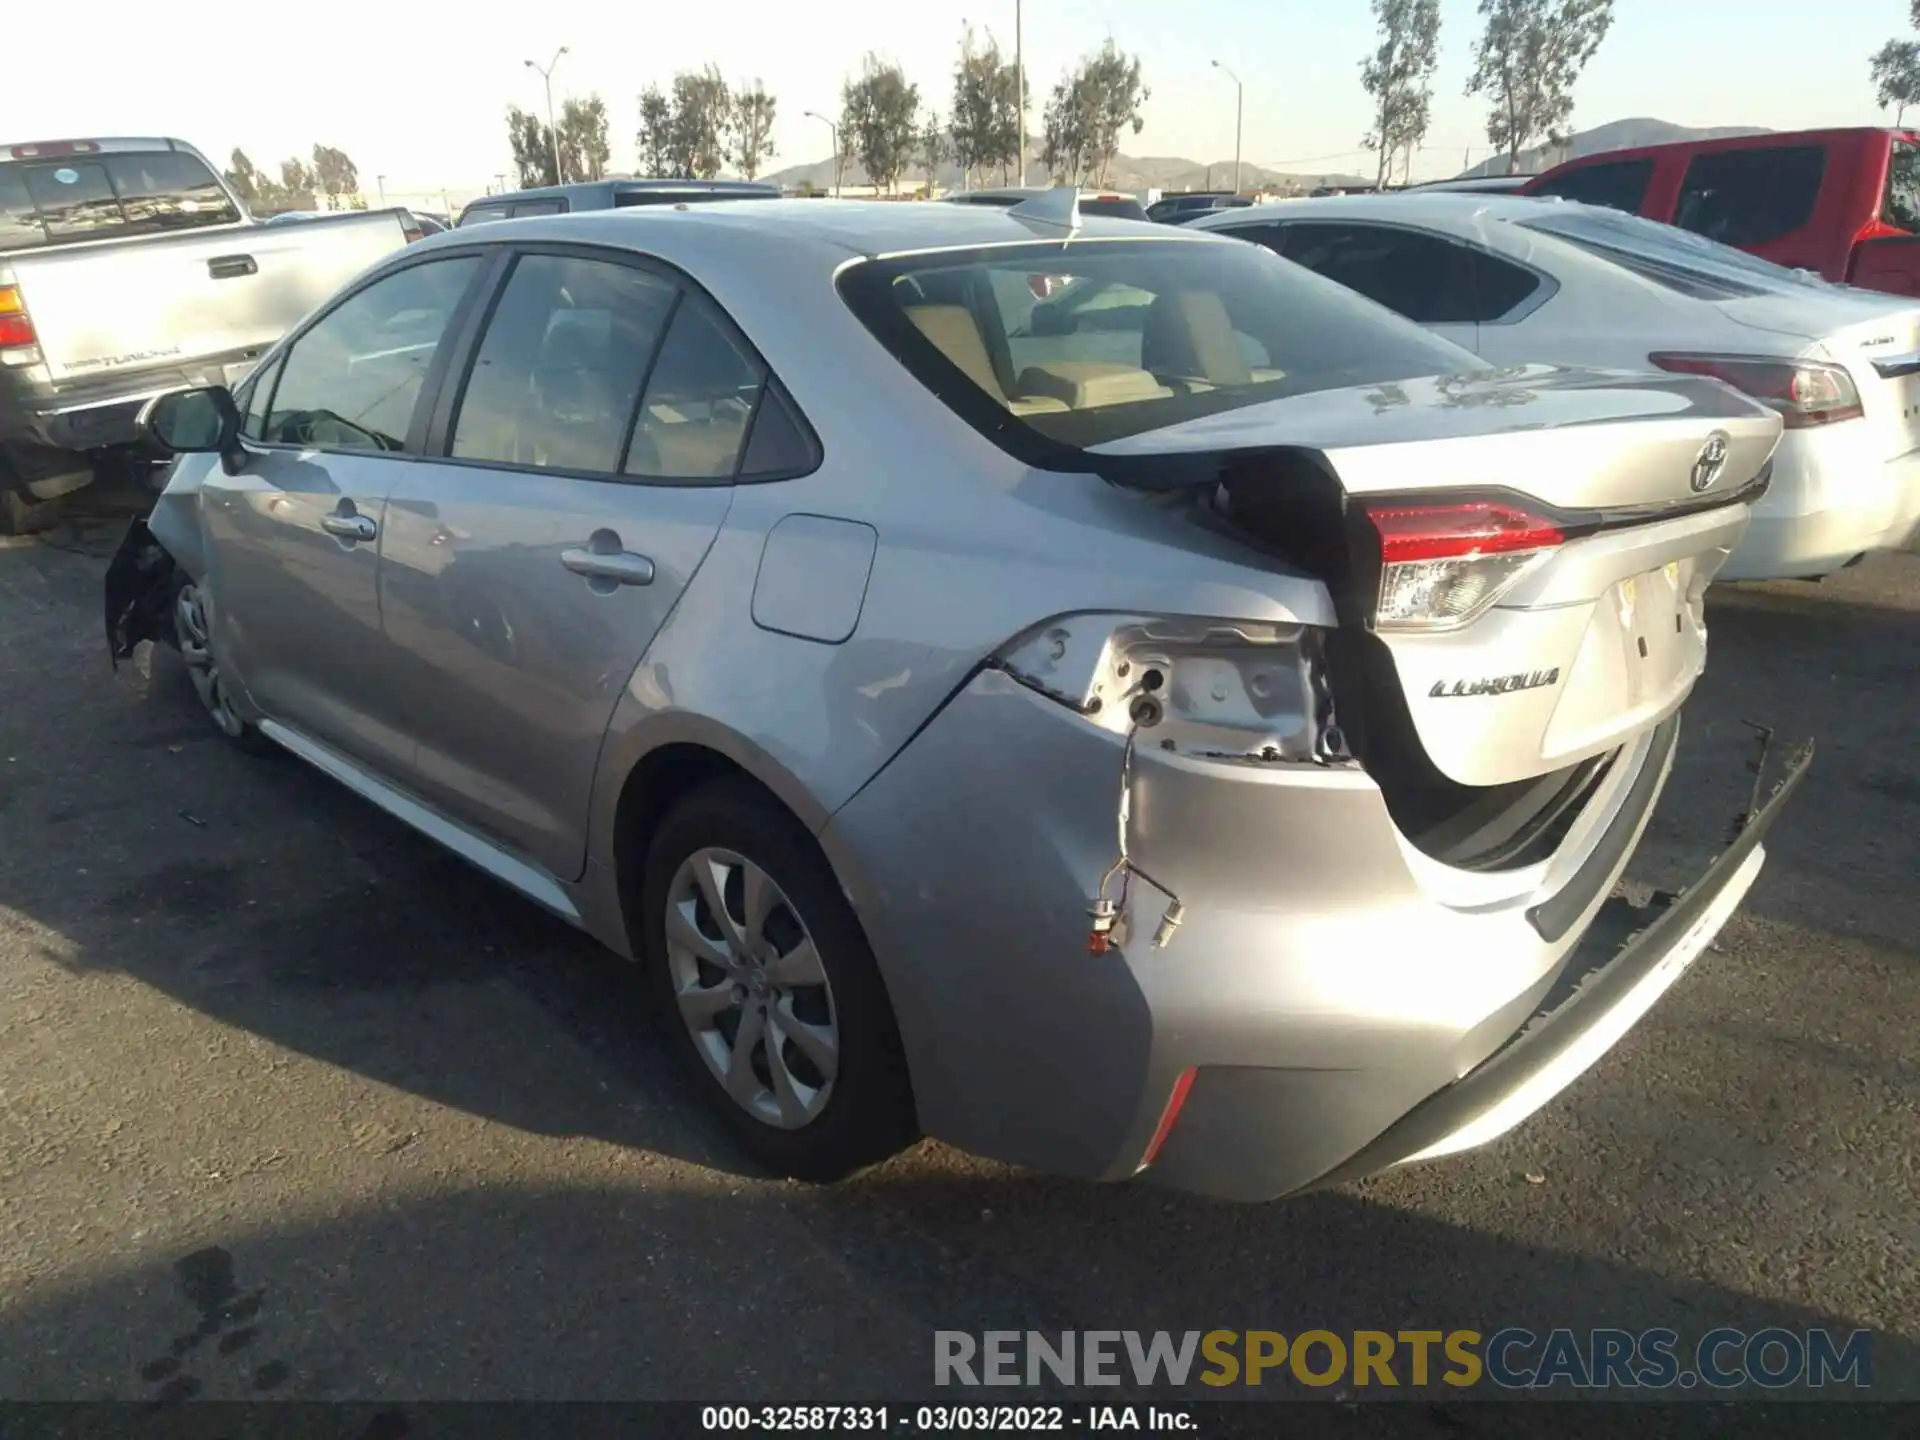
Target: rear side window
<point x="1428" y="279"/>
<point x="561" y="365"/>
<point x="95" y="197"/>
<point x="1751" y="197"/>
<point x="700" y="397"/>
<point x="1621" y="185"/>
<point x="1901" y="204"/>
<point x="1045" y="345"/>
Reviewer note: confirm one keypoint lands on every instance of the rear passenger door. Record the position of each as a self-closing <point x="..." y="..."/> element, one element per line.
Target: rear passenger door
<point x="576" y="475"/>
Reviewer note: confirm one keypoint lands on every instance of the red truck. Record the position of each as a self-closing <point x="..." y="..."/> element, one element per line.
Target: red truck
<point x="1843" y="203"/>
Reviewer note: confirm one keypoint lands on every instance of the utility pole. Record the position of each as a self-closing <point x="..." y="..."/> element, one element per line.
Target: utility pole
<point x="1239" y="97"/>
<point x="1020" y="91"/>
<point x="381" y="181"/>
<point x="546" y="74"/>
<point x="834" y="131"/>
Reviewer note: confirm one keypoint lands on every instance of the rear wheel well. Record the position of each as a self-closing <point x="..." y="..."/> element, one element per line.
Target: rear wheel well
<point x="654" y="787"/>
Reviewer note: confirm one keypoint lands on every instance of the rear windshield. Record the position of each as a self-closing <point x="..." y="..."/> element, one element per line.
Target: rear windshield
<point x="1094" y="340"/>
<point x="103" y="197"/>
<point x="1677" y="259"/>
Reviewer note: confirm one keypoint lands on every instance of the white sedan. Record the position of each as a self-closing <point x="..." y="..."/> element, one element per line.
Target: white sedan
<point x="1520" y="279"/>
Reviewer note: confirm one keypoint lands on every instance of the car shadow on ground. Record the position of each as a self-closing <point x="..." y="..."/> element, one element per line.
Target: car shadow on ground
<point x="773" y="1294"/>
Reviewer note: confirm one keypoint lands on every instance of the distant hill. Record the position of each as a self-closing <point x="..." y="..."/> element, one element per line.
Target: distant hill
<point x="1129" y="173"/>
<point x="1615" y="135"/>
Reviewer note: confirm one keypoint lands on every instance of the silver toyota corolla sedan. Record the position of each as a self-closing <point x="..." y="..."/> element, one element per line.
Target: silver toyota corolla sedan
<point x="1101" y="696"/>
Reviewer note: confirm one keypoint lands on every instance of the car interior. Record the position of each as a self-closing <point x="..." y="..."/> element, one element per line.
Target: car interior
<point x="1079" y="354"/>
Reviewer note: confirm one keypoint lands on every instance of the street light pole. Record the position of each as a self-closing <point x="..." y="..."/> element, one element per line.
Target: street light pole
<point x="381" y="181"/>
<point x="546" y="74"/>
<point x="834" y="131"/>
<point x="1020" y="92"/>
<point x="1239" y="98"/>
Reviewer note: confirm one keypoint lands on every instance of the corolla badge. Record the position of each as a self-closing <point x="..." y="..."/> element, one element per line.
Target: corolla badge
<point x="1708" y="464"/>
<point x="1493" y="684"/>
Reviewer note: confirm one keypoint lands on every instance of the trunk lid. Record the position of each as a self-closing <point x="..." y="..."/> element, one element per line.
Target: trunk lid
<point x="1876" y="337"/>
<point x="1598" y="637"/>
<point x="159" y="302"/>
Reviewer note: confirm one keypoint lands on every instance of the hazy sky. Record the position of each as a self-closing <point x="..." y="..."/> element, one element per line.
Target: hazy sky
<point x="417" y="92"/>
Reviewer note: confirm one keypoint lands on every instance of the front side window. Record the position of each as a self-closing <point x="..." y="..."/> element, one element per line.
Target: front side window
<point x="539" y="207"/>
<point x="482" y="214"/>
<point x="1131" y="335"/>
<point x="352" y="381"/>
<point x="557" y="374"/>
<point x="1901" y="205"/>
<point x="1751" y="197"/>
<point x="1618" y="185"/>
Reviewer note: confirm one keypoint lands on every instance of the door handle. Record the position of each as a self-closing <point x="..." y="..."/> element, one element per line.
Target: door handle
<point x="349" y="527"/>
<point x="232" y="267"/>
<point x="620" y="567"/>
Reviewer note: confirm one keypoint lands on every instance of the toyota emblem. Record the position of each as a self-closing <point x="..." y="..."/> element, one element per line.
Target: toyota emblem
<point x="1708" y="464"/>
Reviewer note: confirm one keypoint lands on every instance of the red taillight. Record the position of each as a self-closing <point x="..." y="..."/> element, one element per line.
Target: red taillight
<point x="1446" y="532"/>
<point x="16" y="327"/>
<point x="1443" y="564"/>
<point x="1805" y="392"/>
<point x="1178" y="1098"/>
<point x="47" y="149"/>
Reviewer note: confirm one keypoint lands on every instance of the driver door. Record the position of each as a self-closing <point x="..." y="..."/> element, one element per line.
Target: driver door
<point x="295" y="537"/>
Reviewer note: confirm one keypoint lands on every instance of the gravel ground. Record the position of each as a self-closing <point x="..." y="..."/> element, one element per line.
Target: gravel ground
<point x="292" y="1105"/>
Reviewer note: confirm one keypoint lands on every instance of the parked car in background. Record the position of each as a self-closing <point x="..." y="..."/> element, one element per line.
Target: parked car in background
<point x="128" y="268"/>
<point x="1844" y="204"/>
<point x="1475" y="184"/>
<point x="792" y="599"/>
<point x="1107" y="204"/>
<point x="1519" y="280"/>
<point x="1178" y="209"/>
<point x="610" y="195"/>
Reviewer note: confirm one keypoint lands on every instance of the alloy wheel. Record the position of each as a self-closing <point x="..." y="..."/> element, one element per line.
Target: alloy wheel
<point x="192" y="630"/>
<point x="750" y="988"/>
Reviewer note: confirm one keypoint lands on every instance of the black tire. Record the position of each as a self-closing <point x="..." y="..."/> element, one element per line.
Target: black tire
<point x="868" y="1113"/>
<point x="204" y="676"/>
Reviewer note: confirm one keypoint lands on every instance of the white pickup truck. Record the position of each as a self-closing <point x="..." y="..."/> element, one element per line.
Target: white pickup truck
<point x="128" y="268"/>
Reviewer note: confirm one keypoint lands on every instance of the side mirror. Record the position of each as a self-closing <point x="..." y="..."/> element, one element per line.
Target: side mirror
<point x="203" y="421"/>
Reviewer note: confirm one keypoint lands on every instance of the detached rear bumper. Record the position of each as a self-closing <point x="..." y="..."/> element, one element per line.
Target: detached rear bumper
<point x="1600" y="1003"/>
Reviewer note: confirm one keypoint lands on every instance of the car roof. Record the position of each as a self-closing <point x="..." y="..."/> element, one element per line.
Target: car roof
<point x="1442" y="207"/>
<point x="582" y="188"/>
<point x="845" y="228"/>
<point x="1027" y="192"/>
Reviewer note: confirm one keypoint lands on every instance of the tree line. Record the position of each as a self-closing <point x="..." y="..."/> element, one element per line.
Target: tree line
<point x="1895" y="70"/>
<point x="700" y="124"/>
<point x="1525" y="63"/>
<point x="301" y="184"/>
